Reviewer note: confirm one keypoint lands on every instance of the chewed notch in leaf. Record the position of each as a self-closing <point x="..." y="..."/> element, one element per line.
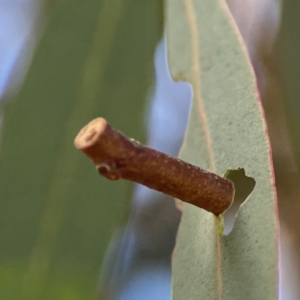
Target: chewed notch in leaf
<point x="244" y="186"/>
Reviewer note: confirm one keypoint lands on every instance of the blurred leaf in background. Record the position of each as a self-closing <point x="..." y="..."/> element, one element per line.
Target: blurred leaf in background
<point x="289" y="45"/>
<point x="287" y="70"/>
<point x="95" y="58"/>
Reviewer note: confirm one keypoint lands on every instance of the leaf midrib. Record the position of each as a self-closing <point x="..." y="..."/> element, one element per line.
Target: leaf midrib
<point x="196" y="83"/>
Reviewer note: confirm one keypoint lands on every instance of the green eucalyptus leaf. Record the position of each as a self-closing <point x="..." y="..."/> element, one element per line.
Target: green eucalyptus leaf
<point x="95" y="58"/>
<point x="226" y="131"/>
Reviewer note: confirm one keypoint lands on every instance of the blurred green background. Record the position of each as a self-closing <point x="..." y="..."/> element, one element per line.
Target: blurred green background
<point x="94" y="58"/>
